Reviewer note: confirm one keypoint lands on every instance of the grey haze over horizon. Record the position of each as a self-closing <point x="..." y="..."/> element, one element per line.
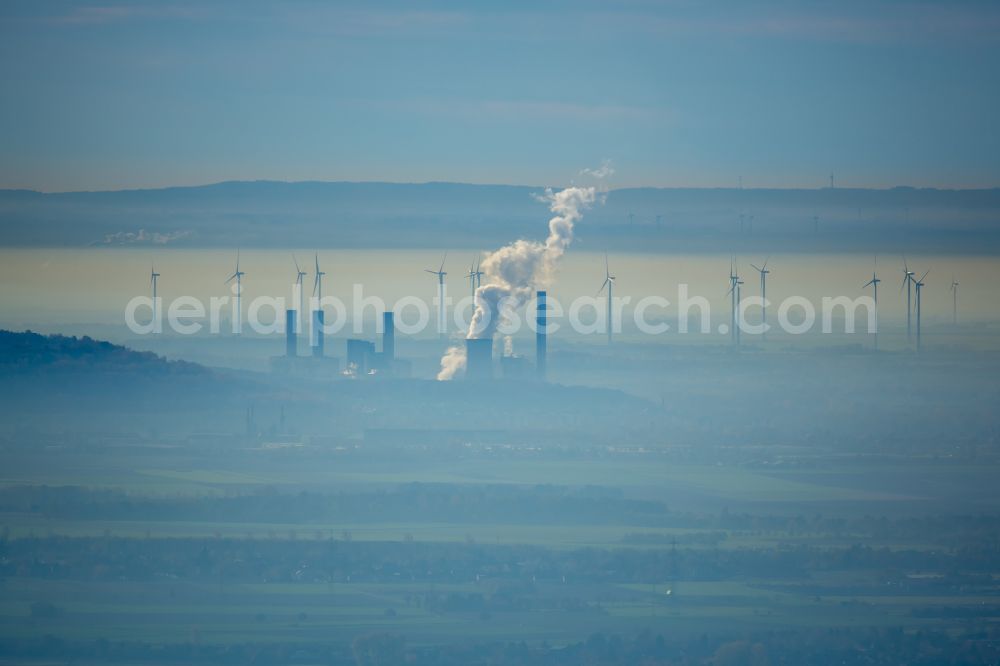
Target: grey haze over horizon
<point x="456" y="215"/>
<point x="514" y="185"/>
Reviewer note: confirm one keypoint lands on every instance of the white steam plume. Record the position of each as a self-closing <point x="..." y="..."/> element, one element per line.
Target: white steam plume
<point x="513" y="272"/>
<point x="606" y="170"/>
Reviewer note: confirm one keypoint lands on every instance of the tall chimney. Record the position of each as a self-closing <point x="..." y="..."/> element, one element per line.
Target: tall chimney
<point x="290" y="342"/>
<point x="540" y="332"/>
<point x="317" y="333"/>
<point x="388" y="336"/>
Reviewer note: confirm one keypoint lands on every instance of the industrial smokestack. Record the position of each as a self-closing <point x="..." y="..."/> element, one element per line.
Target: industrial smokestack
<point x="540" y="333"/>
<point x="388" y="336"/>
<point x="479" y="358"/>
<point x="317" y="333"/>
<point x="290" y="341"/>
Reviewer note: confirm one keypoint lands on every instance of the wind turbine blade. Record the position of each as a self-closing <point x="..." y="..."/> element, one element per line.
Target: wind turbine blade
<point x="427" y="270"/>
<point x="765" y="262"/>
<point x="759" y="270"/>
<point x="316" y="283"/>
<point x="868" y="284"/>
<point x="924" y="275"/>
<point x="443" y="259"/>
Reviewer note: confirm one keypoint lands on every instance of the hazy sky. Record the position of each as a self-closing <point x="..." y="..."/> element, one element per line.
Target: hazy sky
<point x="130" y="94"/>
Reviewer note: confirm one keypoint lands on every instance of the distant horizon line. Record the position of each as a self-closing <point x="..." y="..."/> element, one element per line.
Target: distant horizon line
<point x="272" y="181"/>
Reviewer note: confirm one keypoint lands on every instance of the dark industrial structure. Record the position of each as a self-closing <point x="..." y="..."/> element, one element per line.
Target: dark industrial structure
<point x="317" y="332"/>
<point x="360" y="354"/>
<point x="388" y="337"/>
<point x="291" y="340"/>
<point x="479" y="358"/>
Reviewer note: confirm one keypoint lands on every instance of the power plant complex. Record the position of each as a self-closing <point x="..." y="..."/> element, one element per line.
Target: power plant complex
<point x="363" y="360"/>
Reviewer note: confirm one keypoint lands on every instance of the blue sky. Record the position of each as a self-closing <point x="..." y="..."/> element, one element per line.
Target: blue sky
<point x="139" y="94"/>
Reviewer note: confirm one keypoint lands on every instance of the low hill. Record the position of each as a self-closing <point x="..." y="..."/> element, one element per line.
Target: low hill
<point x="30" y="352"/>
<point x="456" y="215"/>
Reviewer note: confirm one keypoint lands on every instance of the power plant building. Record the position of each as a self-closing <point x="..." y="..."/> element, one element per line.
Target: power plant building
<point x="359" y="356"/>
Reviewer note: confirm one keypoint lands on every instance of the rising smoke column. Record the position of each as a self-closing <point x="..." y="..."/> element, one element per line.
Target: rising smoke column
<point x="514" y="271"/>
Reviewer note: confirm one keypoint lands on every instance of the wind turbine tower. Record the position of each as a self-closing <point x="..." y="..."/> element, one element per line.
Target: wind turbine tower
<point x="873" y="283"/>
<point x="733" y="280"/>
<point x="609" y="282"/>
<point x="299" y="274"/>
<point x="919" y="284"/>
<point x="737" y="283"/>
<point x="442" y="315"/>
<point x="153" y="275"/>
<point x="238" y="314"/>
<point x="908" y="284"/>
<point x="316" y="337"/>
<point x="763" y="292"/>
<point x="318" y="281"/>
<point x="954" y="301"/>
<point x="475" y="277"/>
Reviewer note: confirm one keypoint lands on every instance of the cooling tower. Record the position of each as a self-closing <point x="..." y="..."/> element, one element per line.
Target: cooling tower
<point x="479" y="358"/>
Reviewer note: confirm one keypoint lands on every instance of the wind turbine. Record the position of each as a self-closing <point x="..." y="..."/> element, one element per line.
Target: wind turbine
<point x="152" y="281"/>
<point x="733" y="280"/>
<point x="299" y="274"/>
<point x="440" y="272"/>
<point x="908" y="284"/>
<point x="318" y="281"/>
<point x="873" y="283"/>
<point x="735" y="290"/>
<point x="609" y="282"/>
<point x="763" y="292"/>
<point x="475" y="278"/>
<point x="316" y="318"/>
<point x="918" y="284"/>
<point x="954" y="301"/>
<point x="238" y="276"/>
